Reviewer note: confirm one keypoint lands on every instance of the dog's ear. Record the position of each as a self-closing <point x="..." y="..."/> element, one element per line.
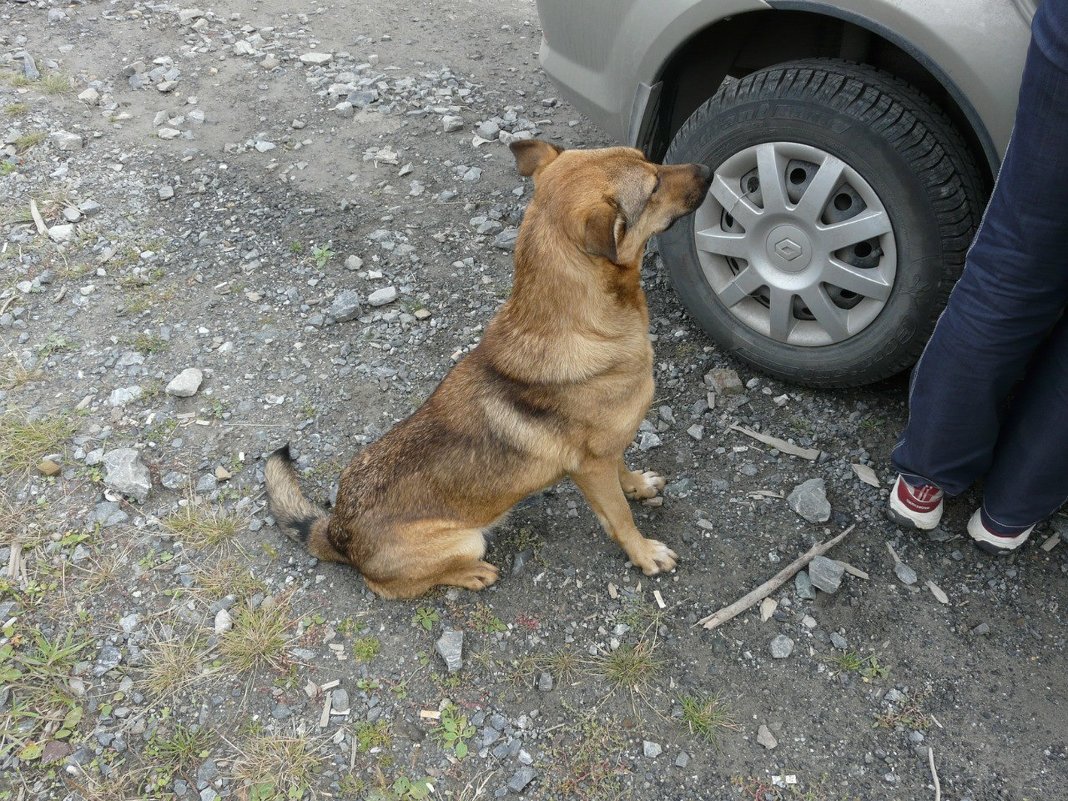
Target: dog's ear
<point x="605" y="226"/>
<point x="533" y="155"/>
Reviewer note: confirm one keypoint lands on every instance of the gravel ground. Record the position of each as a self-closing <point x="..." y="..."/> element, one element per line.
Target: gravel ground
<point x="222" y="229"/>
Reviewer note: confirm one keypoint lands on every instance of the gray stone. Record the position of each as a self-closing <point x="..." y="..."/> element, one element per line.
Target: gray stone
<point x="353" y="263"/>
<point x="648" y="441"/>
<point x="894" y="696"/>
<point x="696" y="431"/>
<point x="545" y="682"/>
<point x="108" y="514"/>
<point x="488" y="129"/>
<point x="650" y="749"/>
<point x="90" y="96"/>
<point x="839" y="642"/>
<point x="109" y="658"/>
<point x="451" y="123"/>
<point x="206" y="483"/>
<point x="65" y="140"/>
<point x="809" y="499"/>
<point x="173" y="480"/>
<point x="129" y="622"/>
<point x="766" y="738"/>
<point x="451" y="645"/>
<point x="781" y="647"/>
<point x="905" y="573"/>
<point x="339" y="701"/>
<point x="506" y="239"/>
<point x="472" y="175"/>
<point x="826" y="574"/>
<point x="126" y="473"/>
<point x="380" y="297"/>
<point x="803" y="586"/>
<point x="166" y="192"/>
<point x="521" y="778"/>
<point x="186" y="383"/>
<point x="682" y="760"/>
<point x="346" y="306"/>
<point x="124" y="395"/>
<point x="724" y="381"/>
<point x="981" y="629"/>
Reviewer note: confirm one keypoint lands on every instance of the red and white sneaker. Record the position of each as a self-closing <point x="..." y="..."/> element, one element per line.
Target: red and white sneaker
<point x="915" y="506"/>
<point x="996" y="538"/>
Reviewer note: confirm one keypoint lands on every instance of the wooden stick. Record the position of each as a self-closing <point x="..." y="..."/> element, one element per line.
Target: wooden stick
<point x="934" y="775"/>
<point x="768" y="587"/>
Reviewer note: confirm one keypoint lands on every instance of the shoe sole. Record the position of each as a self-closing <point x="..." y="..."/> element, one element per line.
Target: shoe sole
<point x="991" y="543"/>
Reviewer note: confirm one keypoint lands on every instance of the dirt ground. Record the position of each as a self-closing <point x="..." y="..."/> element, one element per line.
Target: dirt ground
<point x="208" y="199"/>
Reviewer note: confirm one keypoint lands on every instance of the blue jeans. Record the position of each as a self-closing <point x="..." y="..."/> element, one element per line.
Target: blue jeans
<point x="989" y="396"/>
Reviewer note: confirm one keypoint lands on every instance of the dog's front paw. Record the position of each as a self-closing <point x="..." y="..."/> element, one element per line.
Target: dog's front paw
<point x="654" y="557"/>
<point x="639" y="486"/>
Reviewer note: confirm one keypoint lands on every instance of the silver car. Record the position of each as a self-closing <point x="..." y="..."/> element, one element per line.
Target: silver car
<point x="854" y="145"/>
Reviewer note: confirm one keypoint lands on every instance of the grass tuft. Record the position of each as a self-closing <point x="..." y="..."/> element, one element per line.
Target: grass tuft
<point x="706" y="717"/>
<point x="23" y="441"/>
<point x="276" y="768"/>
<point x="629" y="666"/>
<point x="200" y="526"/>
<point x="30" y="140"/>
<point x="173" y="663"/>
<point x="16" y="109"/>
<point x="258" y="639"/>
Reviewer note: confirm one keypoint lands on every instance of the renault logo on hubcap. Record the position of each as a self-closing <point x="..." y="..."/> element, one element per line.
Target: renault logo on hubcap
<point x="788" y="249"/>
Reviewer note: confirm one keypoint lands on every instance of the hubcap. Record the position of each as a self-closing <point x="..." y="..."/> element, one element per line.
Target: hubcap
<point x="796" y="244"/>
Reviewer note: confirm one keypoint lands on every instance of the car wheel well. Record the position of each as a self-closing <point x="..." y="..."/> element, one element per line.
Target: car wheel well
<point x="740" y="45"/>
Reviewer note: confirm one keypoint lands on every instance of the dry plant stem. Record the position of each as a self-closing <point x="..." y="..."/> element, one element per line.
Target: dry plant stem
<point x="769" y="586"/>
<point x="934" y="775"/>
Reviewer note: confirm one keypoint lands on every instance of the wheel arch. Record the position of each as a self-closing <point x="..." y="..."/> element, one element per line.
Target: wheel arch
<point x="736" y="46"/>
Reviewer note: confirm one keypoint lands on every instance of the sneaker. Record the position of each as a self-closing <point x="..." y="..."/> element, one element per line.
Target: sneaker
<point x="918" y="506"/>
<point x="993" y="537"/>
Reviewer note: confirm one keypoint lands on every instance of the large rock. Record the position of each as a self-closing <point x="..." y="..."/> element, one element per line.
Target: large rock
<point x="810" y="501"/>
<point x="186" y="383"/>
<point x="126" y="473"/>
<point x="724" y="381"/>
<point x="451" y="647"/>
<point x="345" y="306"/>
<point x="826" y="574"/>
<point x="781" y="647"/>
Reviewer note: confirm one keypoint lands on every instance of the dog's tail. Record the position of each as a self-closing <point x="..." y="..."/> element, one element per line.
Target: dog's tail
<point x="300" y="519"/>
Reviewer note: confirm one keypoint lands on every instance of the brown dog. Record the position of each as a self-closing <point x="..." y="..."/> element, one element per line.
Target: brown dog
<point x="557" y="386"/>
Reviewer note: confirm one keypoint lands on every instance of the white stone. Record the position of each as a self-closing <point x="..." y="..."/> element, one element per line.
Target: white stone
<point x="186" y="383"/>
<point x="65" y="140"/>
<point x="223" y="622"/>
<point x="90" y="96"/>
<point x="168" y="133"/>
<point x="380" y="297"/>
<point x="316" y="58"/>
<point x="61" y="233"/>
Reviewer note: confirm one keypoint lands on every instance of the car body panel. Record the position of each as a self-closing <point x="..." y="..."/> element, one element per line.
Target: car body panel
<point x="602" y="52"/>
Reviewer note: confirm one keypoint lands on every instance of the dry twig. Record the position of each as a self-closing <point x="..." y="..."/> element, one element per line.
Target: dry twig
<point x="769" y="586"/>
<point x="934" y="775"/>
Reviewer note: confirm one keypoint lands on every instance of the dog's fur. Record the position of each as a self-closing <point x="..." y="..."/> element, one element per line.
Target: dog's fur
<point x="557" y="387"/>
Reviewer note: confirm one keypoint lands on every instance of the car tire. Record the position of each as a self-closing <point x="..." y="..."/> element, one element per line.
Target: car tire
<point x="897" y="149"/>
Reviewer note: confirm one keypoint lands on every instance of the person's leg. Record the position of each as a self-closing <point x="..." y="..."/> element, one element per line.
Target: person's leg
<point x="1012" y="292"/>
<point x="1028" y="480"/>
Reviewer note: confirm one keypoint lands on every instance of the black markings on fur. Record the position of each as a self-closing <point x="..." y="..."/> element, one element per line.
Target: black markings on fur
<point x="524" y="397"/>
<point x="302" y="528"/>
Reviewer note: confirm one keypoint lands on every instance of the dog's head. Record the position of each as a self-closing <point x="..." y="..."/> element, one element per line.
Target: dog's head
<point x="611" y="200"/>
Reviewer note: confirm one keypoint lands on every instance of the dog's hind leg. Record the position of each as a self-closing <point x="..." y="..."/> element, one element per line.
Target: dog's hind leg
<point x="600" y="483"/>
<point x="638" y="485"/>
<point x="425" y="558"/>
